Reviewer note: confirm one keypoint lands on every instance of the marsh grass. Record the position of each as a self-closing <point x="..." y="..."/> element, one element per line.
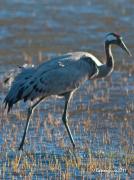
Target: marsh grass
<point x="101" y="120"/>
<point x="102" y="126"/>
<point x="37" y="165"/>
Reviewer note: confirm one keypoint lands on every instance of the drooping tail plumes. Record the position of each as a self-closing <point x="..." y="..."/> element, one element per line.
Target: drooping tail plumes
<point x="23" y="73"/>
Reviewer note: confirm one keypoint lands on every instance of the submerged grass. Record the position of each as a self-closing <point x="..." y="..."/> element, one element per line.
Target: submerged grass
<point x="39" y="165"/>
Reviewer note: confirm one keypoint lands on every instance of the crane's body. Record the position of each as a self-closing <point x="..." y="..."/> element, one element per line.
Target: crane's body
<point x="59" y="76"/>
<point x="54" y="77"/>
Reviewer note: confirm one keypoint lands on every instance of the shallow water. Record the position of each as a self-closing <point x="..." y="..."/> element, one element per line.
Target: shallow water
<point x="100" y="113"/>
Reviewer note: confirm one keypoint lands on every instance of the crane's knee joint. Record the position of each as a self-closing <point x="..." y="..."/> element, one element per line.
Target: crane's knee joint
<point x="64" y="119"/>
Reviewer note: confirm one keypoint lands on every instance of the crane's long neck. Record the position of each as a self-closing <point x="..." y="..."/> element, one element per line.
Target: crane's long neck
<point x="107" y="68"/>
<point x="109" y="56"/>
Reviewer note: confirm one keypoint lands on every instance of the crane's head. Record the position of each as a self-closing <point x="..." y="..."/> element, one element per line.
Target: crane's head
<point x="114" y="38"/>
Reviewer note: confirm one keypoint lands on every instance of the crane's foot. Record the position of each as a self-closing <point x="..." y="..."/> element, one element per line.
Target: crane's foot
<point x="74" y="154"/>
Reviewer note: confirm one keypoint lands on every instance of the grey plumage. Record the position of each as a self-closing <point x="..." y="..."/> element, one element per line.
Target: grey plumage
<point x="17" y="87"/>
<point x="60" y="76"/>
<point x="55" y="77"/>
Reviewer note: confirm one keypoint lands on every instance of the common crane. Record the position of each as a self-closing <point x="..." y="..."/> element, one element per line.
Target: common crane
<point x="60" y="76"/>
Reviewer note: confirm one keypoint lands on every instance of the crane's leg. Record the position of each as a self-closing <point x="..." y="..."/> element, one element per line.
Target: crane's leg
<point x="30" y="111"/>
<point x="64" y="118"/>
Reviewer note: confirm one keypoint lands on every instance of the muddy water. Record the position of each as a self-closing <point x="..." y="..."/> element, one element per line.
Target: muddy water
<point x="101" y="112"/>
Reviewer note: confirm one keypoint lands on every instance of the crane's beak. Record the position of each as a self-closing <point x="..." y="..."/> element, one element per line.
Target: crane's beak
<point x="124" y="47"/>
